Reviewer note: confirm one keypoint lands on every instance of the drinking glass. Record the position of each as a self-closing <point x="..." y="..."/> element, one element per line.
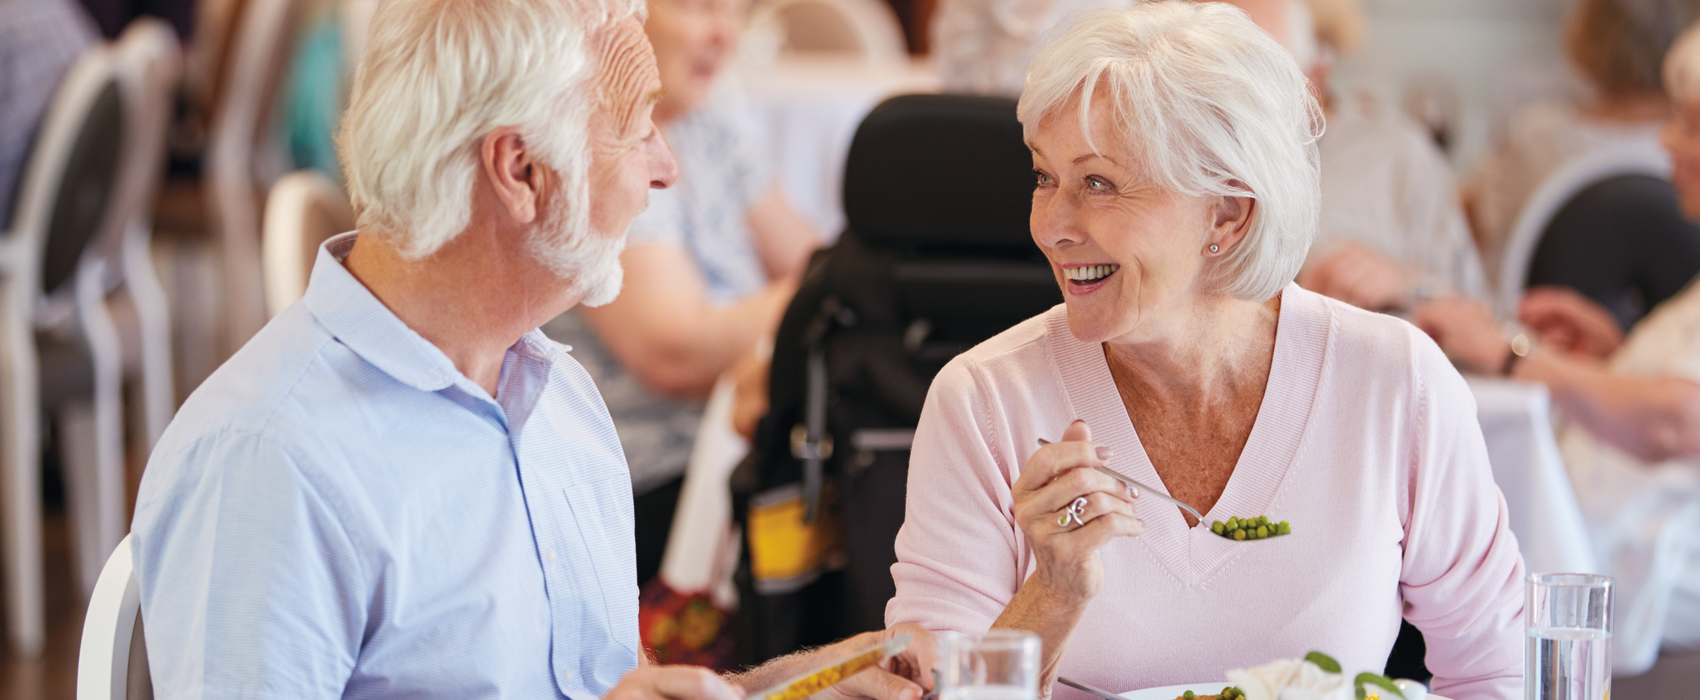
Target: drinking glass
<point x="1568" y="651"/>
<point x="995" y="665"/>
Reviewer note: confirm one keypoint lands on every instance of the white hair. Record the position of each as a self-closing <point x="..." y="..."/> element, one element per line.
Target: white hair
<point x="1210" y="105"/>
<point x="437" y="76"/>
<point x="1682" y="66"/>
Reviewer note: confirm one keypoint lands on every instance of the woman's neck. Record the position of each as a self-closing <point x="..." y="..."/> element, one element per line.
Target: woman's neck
<point x="1215" y="353"/>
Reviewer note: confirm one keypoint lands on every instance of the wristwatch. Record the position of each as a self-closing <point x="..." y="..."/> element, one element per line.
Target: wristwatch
<point x="1520" y="347"/>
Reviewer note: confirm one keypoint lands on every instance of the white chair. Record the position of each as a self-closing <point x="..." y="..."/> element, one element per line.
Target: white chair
<point x="259" y="52"/>
<point x="302" y="211"/>
<point x="112" y="661"/>
<point x="52" y="312"/>
<point x="1556" y="191"/>
<point x="865" y="28"/>
<point x="150" y="66"/>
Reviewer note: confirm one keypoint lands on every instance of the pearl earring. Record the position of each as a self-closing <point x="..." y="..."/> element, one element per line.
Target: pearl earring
<point x="1213" y="247"/>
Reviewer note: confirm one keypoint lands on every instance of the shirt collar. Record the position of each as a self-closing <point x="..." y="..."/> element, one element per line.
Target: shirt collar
<point x="362" y="323"/>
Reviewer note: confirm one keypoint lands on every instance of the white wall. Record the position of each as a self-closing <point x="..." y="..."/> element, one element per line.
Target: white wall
<point x="1495" y="55"/>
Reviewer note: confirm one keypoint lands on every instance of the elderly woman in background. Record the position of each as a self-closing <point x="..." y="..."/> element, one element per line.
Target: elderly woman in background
<point x="1617" y="46"/>
<point x="709" y="266"/>
<point x="1393" y="228"/>
<point x="1176" y="195"/>
<point x="1633" y="442"/>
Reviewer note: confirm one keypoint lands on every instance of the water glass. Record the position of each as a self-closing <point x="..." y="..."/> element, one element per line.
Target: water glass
<point x="995" y="665"/>
<point x="1568" y="652"/>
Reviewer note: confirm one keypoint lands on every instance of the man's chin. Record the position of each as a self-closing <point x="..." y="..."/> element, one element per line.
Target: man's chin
<point x="605" y="289"/>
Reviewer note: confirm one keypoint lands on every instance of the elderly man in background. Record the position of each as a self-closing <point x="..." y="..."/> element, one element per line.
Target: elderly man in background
<point x="399" y="487"/>
<point x="1633" y="442"/>
<point x="1393" y="228"/>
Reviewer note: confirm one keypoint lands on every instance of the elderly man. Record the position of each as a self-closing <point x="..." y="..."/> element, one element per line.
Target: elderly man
<point x="400" y="488"/>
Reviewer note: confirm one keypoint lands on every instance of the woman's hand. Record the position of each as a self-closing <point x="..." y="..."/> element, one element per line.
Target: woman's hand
<point x="1466" y="331"/>
<point x="1567" y="320"/>
<point x="1065" y="538"/>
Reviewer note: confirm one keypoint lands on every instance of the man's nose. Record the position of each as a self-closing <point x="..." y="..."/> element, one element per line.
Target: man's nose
<point x="663" y="169"/>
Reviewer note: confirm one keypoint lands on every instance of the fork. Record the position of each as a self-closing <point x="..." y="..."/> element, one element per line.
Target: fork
<point x="1139" y="488"/>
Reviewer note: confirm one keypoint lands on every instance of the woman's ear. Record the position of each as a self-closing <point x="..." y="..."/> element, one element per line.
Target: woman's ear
<point x="514" y="172"/>
<point x="1230" y="219"/>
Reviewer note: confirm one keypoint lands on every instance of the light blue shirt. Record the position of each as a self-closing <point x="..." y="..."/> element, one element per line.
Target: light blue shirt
<point x="338" y="512"/>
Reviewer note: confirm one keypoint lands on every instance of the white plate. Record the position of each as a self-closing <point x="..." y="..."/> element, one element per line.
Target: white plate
<point x="1170" y="692"/>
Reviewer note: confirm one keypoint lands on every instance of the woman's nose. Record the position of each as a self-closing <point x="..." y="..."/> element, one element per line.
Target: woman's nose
<point x="1053" y="221"/>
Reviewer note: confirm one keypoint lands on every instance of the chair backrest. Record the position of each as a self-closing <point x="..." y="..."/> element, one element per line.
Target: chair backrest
<point x="303" y="210"/>
<point x="1549" y="198"/>
<point x="149" y="63"/>
<point x="866" y="28"/>
<point x="69" y="180"/>
<point x="112" y="662"/>
<point x="264" y="36"/>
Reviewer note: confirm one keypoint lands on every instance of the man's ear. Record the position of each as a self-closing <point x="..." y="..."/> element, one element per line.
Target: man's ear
<point x="1230" y="220"/>
<point x="514" y="173"/>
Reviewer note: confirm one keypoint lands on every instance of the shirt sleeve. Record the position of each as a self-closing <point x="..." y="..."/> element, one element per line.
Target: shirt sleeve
<point x="1462" y="575"/>
<point x="248" y="576"/>
<point x="1450" y="261"/>
<point x="958" y="562"/>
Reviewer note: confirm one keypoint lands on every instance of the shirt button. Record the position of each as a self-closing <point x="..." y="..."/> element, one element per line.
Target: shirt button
<point x="551" y="553"/>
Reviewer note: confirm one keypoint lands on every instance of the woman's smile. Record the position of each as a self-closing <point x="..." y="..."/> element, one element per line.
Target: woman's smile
<point x="1088" y="278"/>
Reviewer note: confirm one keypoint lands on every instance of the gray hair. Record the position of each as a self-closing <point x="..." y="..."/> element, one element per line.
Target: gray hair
<point x="1210" y="105"/>
<point x="439" y="75"/>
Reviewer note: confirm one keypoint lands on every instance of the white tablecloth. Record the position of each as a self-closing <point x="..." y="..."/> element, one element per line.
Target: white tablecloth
<point x="808" y="110"/>
<point x="1516" y="420"/>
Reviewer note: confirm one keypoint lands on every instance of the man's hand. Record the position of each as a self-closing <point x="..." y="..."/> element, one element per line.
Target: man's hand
<point x="1360" y="276"/>
<point x="1565" y="319"/>
<point x="650" y="682"/>
<point x="905" y="676"/>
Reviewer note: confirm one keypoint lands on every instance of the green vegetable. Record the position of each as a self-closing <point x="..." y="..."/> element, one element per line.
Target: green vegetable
<point x="1188" y="695"/>
<point x="1233" y="523"/>
<point x="1284" y="528"/>
<point x="1217" y="527"/>
<point x="1383" y="681"/>
<point x="1323" y="661"/>
<point x="1262" y="531"/>
<point x="1250" y="528"/>
<point x="1239" y="534"/>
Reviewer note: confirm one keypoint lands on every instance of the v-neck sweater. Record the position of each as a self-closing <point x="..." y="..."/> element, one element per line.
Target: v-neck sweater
<point x="1366" y="442"/>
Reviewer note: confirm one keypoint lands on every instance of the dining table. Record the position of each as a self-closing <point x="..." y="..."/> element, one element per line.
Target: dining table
<point x="1517" y="424"/>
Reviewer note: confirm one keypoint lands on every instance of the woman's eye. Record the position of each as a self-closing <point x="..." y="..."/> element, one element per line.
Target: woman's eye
<point x="1041" y="179"/>
<point x="1096" y="185"/>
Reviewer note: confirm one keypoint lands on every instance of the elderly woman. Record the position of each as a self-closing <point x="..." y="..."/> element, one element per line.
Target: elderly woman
<point x="1176" y="194"/>
<point x="1633" y="442"/>
<point x="709" y="266"/>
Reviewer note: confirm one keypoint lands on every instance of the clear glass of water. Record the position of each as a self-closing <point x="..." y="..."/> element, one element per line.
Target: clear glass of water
<point x="995" y="665"/>
<point x="1568" y="652"/>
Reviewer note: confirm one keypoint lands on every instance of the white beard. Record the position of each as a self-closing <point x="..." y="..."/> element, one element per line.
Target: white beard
<point x="587" y="258"/>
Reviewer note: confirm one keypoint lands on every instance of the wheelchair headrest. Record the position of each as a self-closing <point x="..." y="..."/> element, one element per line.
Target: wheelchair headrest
<point x="941" y="173"/>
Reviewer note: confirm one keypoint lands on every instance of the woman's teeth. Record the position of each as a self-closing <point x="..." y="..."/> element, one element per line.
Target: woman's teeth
<point x="1090" y="273"/>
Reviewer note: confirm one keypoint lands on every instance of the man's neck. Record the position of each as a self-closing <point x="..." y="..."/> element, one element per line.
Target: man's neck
<point x="473" y="298"/>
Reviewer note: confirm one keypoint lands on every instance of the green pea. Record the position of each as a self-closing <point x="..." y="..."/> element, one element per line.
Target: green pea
<point x="1216" y="527"/>
<point x="1233" y="523"/>
<point x="1188" y="695"/>
<point x="1284" y="528"/>
<point x="1262" y="532"/>
<point x="1239" y="534"/>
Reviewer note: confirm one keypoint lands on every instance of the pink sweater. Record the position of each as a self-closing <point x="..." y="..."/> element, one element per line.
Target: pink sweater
<point x="1366" y="441"/>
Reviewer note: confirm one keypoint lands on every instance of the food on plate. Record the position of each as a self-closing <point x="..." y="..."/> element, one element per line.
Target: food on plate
<point x="1317" y="676"/>
<point x="1258" y="528"/>
<point x="1228" y="693"/>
